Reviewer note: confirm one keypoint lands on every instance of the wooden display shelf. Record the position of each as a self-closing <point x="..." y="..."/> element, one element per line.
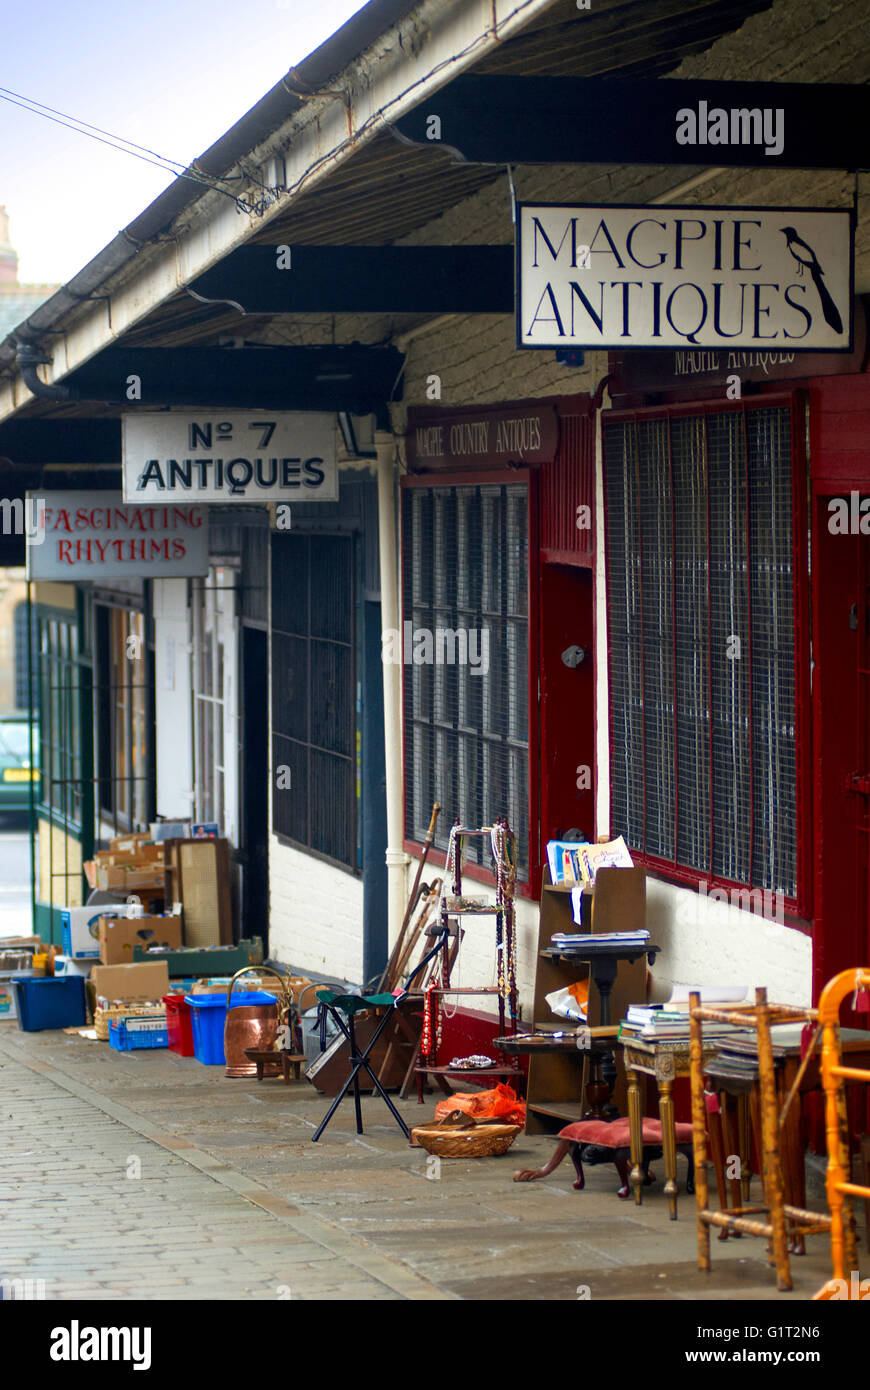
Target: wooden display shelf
<point x="548" y="1110"/>
<point x="617" y="903"/>
<point x="465" y="989"/>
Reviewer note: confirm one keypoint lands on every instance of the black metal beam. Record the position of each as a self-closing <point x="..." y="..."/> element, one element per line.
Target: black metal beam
<point x="33" y="442"/>
<point x="627" y="120"/>
<point x="364" y="279"/>
<point x="353" y="377"/>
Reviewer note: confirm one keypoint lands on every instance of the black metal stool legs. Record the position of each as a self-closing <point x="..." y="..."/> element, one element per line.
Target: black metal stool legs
<point x="358" y="1061"/>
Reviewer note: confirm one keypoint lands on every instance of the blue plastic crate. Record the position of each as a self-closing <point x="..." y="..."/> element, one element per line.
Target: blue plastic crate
<point x="56" y="1001"/>
<point x="124" y="1039"/>
<point x="209" y="1014"/>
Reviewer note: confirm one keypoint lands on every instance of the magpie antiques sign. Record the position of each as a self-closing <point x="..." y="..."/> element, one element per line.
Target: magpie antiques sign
<point x="619" y="277"/>
<point x="92" y="535"/>
<point x="229" y="456"/>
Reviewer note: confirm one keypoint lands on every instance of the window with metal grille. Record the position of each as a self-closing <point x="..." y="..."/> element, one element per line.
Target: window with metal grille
<point x="22" y="681"/>
<point x="59" y="721"/>
<point x="314" y="757"/>
<point x="466" y="666"/>
<point x="701" y="627"/>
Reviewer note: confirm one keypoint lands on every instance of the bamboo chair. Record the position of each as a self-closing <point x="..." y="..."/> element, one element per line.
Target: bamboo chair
<point x="745" y="1219"/>
<point x="844" y="1257"/>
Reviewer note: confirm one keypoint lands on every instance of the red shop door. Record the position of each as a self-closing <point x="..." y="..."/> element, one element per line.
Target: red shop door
<point x="840" y="467"/>
<point x="842" y="708"/>
<point x="567" y="628"/>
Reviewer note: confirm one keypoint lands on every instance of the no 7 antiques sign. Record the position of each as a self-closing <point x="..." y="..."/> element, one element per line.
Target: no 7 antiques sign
<point x="664" y="277"/>
<point x="229" y="456"/>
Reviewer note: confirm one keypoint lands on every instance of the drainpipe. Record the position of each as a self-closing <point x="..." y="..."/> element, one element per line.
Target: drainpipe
<point x="28" y="359"/>
<point x="396" y="858"/>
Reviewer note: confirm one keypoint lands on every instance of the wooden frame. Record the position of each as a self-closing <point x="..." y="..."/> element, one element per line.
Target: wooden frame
<point x="618" y="904"/>
<point x="198" y="876"/>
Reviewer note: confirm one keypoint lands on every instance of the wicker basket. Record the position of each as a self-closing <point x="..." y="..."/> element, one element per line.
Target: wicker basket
<point x="103" y="1017"/>
<point x="481" y="1141"/>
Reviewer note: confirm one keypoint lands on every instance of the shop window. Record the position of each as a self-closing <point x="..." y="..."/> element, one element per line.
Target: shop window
<point x="22" y="683"/>
<point x="122" y="700"/>
<point x="465" y="611"/>
<point x="704" y="697"/>
<point x="59" y="722"/>
<point x="314" y="745"/>
<point x="209" y="665"/>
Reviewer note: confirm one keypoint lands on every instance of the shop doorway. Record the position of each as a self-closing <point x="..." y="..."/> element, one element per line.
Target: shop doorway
<point x="567" y="703"/>
<point x="841" y="700"/>
<point x="254" y="841"/>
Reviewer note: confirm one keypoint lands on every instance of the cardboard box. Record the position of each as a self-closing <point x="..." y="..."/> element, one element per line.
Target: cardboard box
<point x="118" y="936"/>
<point x="145" y="980"/>
<point x="80" y="930"/>
<point x="126" y="879"/>
<point x="65" y="965"/>
<point x="128" y="843"/>
<point x="137" y="857"/>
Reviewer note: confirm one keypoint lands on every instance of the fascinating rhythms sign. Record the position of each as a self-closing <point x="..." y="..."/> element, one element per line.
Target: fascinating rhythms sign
<point x="676" y="277"/>
<point x="93" y="535"/>
<point x="230" y="456"/>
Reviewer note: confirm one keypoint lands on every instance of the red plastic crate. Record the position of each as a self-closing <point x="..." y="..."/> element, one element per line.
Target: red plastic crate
<point x="179" y="1025"/>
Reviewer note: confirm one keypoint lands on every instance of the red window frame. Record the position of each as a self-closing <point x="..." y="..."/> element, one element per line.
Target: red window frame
<point x="800" y="906"/>
<point x="479" y="477"/>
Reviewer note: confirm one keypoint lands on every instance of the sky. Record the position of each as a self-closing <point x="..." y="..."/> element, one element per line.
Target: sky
<point x="172" y="75"/>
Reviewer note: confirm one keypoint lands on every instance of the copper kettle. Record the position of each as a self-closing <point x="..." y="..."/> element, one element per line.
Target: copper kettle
<point x="252" y="1025"/>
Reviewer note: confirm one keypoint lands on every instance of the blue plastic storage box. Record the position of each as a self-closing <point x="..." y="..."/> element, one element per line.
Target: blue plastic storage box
<point x="209" y="1014"/>
<point x="127" y="1033"/>
<point x="57" y="1001"/>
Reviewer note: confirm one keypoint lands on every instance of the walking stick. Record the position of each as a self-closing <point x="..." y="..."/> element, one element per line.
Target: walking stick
<point x="427" y="845"/>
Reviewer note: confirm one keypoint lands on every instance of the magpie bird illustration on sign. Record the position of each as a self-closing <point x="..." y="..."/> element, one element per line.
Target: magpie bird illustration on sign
<point x="629" y="276"/>
<point x="807" y="259"/>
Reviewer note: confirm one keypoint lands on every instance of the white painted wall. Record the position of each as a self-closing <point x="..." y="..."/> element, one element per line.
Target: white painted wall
<point x="172" y="699"/>
<point x="316" y="914"/>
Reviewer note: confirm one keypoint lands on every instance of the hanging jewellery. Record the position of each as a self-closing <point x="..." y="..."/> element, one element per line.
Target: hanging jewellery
<point x="502" y="841"/>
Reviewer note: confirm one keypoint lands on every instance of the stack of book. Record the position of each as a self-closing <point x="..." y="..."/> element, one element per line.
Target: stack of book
<point x="670" y="1022"/>
<point x="601" y="938"/>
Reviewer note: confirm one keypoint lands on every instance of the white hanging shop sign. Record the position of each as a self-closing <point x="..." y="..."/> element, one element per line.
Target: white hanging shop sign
<point x="79" y="536"/>
<point x="620" y="277"/>
<point x="229" y="456"/>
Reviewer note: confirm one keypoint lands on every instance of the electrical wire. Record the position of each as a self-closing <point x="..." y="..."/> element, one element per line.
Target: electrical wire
<point x="141" y="152"/>
<point x="271" y="194"/>
<point x="114" y="142"/>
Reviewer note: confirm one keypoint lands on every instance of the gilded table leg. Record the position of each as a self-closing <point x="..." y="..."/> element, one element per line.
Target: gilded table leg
<point x="635" y="1123"/>
<point x="669" y="1143"/>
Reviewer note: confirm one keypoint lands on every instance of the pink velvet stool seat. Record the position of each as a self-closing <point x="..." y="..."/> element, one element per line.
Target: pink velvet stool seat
<point x="602" y="1141"/>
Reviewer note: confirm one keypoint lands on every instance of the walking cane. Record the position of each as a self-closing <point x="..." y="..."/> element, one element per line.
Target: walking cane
<point x="427" y="845"/>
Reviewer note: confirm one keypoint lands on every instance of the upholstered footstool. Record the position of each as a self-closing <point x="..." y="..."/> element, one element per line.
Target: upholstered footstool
<point x="603" y="1141"/>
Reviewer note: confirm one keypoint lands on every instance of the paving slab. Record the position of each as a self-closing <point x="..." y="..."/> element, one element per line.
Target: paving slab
<point x="234" y="1200"/>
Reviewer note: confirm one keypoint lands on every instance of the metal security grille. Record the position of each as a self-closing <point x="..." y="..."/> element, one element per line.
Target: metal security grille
<point x="466" y="665"/>
<point x="23" y="682"/>
<point x="702" y="641"/>
<point x="313" y="705"/>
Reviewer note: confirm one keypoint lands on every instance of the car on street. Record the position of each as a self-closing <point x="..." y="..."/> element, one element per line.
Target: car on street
<point x="16" y="772"/>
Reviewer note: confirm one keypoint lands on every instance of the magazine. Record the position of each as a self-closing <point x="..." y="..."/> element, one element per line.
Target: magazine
<point x="563" y="857"/>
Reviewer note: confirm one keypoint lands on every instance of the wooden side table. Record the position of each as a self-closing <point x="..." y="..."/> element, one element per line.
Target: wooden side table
<point x="286" y="1061"/>
<point x="664" y="1061"/>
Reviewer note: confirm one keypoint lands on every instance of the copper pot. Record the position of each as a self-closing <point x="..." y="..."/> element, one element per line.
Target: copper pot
<point x="249" y="1025"/>
<point x="252" y="1025"/>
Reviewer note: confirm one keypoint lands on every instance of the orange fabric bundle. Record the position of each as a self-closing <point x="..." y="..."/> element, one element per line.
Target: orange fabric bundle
<point x="502" y="1103"/>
